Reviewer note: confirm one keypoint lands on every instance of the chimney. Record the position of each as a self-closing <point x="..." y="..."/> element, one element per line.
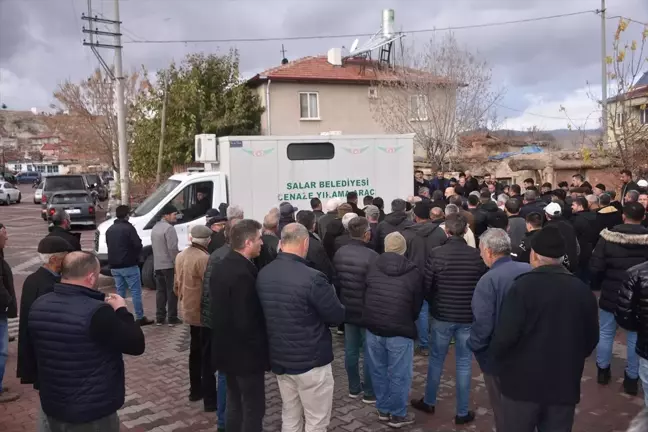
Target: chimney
<point x="335" y="56"/>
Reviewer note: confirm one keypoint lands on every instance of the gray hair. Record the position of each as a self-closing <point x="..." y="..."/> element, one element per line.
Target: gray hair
<point x="61" y="216"/>
<point x="45" y="257"/>
<point x="530" y="195"/>
<point x="234" y="212"/>
<point x="502" y="198"/>
<point x="592" y="199"/>
<point x="271" y="221"/>
<point x="497" y="241"/>
<point x="451" y="209"/>
<point x="475" y="193"/>
<point x="423" y="190"/>
<point x="633" y="195"/>
<point x="372" y="212"/>
<point x="293" y="233"/>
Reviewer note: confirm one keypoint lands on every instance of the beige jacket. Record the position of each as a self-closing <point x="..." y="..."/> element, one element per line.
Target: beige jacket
<point x="190" y="266"/>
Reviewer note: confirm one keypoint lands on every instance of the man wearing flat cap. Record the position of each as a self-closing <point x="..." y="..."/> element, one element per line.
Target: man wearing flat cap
<point x="190" y="266"/>
<point x="164" y="242"/>
<point x="51" y="251"/>
<point x="548" y="326"/>
<point x="216" y="222"/>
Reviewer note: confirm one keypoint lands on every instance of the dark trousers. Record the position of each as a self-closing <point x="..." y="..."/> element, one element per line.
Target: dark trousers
<point x="164" y="295"/>
<point x="495" y="396"/>
<point x="521" y="416"/>
<point x="245" y="403"/>
<point x="202" y="381"/>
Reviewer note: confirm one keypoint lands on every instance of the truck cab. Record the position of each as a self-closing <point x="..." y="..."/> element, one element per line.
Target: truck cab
<point x="182" y="190"/>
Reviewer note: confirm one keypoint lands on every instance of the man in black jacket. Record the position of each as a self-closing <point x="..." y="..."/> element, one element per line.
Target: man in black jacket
<point x="554" y="214"/>
<point x="352" y="263"/>
<point x="608" y="216"/>
<point x="522" y="251"/>
<point x="216" y="222"/>
<point x="451" y="274"/>
<point x="61" y="228"/>
<point x="98" y="330"/>
<point x="52" y="251"/>
<point x="531" y="203"/>
<point x="316" y="256"/>
<point x="617" y="250"/>
<point x="546" y="330"/>
<point x="124" y="247"/>
<point x="584" y="222"/>
<point x="239" y="340"/>
<point x="421" y="238"/>
<point x="392" y="303"/>
<point x="8" y="309"/>
<point x="299" y="304"/>
<point x="628" y="184"/>
<point x="397" y="220"/>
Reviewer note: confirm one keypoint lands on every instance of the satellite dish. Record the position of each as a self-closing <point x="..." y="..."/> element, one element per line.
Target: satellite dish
<point x="354" y="46"/>
<point x="34" y="110"/>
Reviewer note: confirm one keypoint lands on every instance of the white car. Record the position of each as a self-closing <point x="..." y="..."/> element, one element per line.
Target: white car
<point x="38" y="194"/>
<point x="9" y="193"/>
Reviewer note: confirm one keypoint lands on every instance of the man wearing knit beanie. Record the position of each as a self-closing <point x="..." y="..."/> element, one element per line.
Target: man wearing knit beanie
<point x="394" y="290"/>
<point x="548" y="326"/>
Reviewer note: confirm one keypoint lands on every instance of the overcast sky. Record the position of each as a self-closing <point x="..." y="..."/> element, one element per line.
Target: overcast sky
<point x="541" y="64"/>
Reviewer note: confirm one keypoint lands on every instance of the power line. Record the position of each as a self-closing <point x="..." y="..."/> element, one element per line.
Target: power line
<point x="628" y="19"/>
<point x="348" y="36"/>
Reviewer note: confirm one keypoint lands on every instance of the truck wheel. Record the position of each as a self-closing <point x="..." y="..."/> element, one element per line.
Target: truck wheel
<point x="148" y="276"/>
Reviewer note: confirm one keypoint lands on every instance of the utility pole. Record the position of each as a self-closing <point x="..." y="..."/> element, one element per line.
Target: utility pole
<point x="604" y="83"/>
<point x="117" y="77"/>
<point x="162" y="130"/>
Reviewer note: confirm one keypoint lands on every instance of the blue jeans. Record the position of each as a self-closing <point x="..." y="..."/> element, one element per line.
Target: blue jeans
<point x="607" y="331"/>
<point x="441" y="335"/>
<point x="130" y="277"/>
<point x="423" y="325"/>
<point x="392" y="362"/>
<point x="4" y="347"/>
<point x="221" y="399"/>
<point x="643" y="374"/>
<point x="354" y="341"/>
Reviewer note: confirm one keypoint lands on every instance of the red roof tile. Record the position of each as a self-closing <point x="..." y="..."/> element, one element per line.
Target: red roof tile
<point x="317" y="68"/>
<point x="50" y="147"/>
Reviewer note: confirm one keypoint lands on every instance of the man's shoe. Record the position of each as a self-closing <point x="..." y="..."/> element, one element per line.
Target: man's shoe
<point x="603" y="376"/>
<point x="174" y="321"/>
<point x="355" y="395"/>
<point x="369" y="399"/>
<point x="383" y="417"/>
<point x="159" y="322"/>
<point x="194" y="397"/>
<point x="398" y="422"/>
<point x="12" y="338"/>
<point x="210" y="407"/>
<point x="144" y="321"/>
<point x="630" y="386"/>
<point x="8" y="397"/>
<point x="465" y="419"/>
<point x="420" y="405"/>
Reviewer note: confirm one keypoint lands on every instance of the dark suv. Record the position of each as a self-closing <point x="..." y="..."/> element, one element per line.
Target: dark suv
<point x="60" y="183"/>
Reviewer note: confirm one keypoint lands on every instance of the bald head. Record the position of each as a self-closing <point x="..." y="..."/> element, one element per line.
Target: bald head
<point x="436" y="214"/>
<point x="294" y="239"/>
<point x="80" y="268"/>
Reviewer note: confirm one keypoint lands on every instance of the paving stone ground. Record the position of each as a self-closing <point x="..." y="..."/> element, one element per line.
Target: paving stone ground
<point x="157" y="382"/>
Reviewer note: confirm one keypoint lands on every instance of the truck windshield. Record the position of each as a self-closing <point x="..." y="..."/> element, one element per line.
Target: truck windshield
<point x="149" y="203"/>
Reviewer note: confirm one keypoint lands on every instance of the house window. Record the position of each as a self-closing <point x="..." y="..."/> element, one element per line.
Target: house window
<point x="309" y="106"/>
<point x="644" y="116"/>
<point x="40" y="168"/>
<point x="52" y="169"/>
<point x="17" y="167"/>
<point x="418" y="107"/>
<point x="310" y="151"/>
<point x="620" y="118"/>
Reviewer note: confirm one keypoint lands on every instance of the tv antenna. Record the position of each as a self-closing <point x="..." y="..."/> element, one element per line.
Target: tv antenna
<point x="383" y="39"/>
<point x="284" y="59"/>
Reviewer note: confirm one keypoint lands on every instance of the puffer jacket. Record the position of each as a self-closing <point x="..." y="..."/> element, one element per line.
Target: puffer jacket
<point x="396" y="221"/>
<point x="394" y="297"/>
<point x="352" y="263"/>
<point x="632" y="306"/>
<point x="617" y="250"/>
<point x="608" y="217"/>
<point x="421" y="238"/>
<point x="451" y="275"/>
<point x="205" y="299"/>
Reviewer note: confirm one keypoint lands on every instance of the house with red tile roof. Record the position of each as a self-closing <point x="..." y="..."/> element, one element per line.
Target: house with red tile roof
<point x="318" y="94"/>
<point x="628" y="113"/>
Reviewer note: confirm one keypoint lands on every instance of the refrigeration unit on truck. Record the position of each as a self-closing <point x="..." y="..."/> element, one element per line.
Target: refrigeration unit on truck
<point x="257" y="173"/>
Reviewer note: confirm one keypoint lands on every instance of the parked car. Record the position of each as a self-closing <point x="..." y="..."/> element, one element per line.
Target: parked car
<point x="9" y="193"/>
<point x="8" y="177"/>
<point x="79" y="205"/>
<point x="59" y="184"/>
<point x="95" y="182"/>
<point x="38" y="193"/>
<point x="28" y="177"/>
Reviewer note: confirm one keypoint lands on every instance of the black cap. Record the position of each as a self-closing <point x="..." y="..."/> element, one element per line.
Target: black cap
<point x="422" y="210"/>
<point x="212" y="213"/>
<point x="600" y="186"/>
<point x="549" y="242"/>
<point x="168" y="209"/>
<point x="216" y="219"/>
<point x="51" y="245"/>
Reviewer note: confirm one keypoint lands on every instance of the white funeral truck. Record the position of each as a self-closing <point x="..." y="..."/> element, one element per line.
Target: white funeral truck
<point x="257" y="173"/>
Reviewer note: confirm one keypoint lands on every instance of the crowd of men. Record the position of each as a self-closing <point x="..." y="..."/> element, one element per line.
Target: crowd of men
<point x="505" y="275"/>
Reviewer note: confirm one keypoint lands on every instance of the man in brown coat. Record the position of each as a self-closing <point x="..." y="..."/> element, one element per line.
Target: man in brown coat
<point x="190" y="266"/>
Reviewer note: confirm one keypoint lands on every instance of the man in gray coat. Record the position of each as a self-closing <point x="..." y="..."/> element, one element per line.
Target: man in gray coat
<point x="164" y="241"/>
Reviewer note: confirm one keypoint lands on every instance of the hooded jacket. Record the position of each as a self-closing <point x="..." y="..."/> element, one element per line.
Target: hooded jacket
<point x="617" y="250"/>
<point x="396" y="221"/>
<point x="607" y="218"/>
<point x="421" y="238"/>
<point x="394" y="297"/>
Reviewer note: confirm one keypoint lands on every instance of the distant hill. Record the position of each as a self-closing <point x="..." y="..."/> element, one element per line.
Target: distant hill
<point x="564" y="138"/>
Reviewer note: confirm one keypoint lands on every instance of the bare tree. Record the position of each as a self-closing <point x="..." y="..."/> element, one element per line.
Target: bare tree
<point x="441" y="92"/>
<point x="91" y="122"/>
